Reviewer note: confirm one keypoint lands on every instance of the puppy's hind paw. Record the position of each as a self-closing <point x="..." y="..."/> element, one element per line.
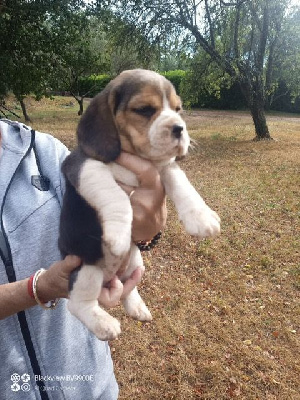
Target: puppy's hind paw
<point x="107" y="329"/>
<point x="136" y="308"/>
<point x="140" y="312"/>
<point x="97" y="320"/>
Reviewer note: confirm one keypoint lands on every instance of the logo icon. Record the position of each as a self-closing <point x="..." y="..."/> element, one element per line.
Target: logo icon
<point x="15" y="377"/>
<point x="15" y="387"/>
<point x="25" y="377"/>
<point x="25" y="387"/>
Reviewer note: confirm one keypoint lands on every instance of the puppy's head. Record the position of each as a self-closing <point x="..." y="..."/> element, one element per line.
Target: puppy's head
<point x="138" y="112"/>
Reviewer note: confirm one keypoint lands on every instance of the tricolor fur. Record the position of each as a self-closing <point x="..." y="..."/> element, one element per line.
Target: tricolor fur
<point x="138" y="112"/>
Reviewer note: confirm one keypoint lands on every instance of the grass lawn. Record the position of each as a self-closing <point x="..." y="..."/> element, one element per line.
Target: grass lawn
<point x="226" y="312"/>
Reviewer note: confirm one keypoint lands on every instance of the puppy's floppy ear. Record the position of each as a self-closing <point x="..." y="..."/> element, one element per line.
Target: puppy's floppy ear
<point x="97" y="134"/>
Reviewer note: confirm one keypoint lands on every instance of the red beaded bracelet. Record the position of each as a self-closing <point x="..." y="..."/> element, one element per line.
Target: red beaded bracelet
<point x="32" y="291"/>
<point x="30" y="286"/>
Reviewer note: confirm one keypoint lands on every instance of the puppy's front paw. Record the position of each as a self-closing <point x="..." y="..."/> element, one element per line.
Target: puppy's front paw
<point x="117" y="241"/>
<point x="202" y="222"/>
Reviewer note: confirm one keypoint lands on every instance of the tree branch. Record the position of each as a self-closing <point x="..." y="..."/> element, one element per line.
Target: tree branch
<point x="211" y="29"/>
<point x="7" y="109"/>
<point x="184" y="13"/>
<point x="263" y="38"/>
<point x="236" y="31"/>
<point x="214" y="54"/>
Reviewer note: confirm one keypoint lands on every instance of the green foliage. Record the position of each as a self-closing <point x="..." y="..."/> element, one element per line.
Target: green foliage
<point x="84" y="54"/>
<point x="93" y="84"/>
<point x="197" y="91"/>
<point x="127" y="45"/>
<point x="284" y="100"/>
<point x="33" y="34"/>
<point x="240" y="37"/>
<point x="176" y="77"/>
<point x="204" y="82"/>
<point x="65" y="45"/>
<point x="286" y="69"/>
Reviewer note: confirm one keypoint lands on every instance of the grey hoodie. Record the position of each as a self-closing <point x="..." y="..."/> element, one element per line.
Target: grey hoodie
<point x="44" y="354"/>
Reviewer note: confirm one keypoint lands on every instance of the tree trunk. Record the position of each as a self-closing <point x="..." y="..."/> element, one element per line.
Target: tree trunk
<point x="80" y="102"/>
<point x="253" y="90"/>
<point x="260" y="122"/>
<point x="24" y="111"/>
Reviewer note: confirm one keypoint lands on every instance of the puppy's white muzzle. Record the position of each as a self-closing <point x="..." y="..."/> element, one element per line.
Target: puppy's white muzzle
<point x="168" y="136"/>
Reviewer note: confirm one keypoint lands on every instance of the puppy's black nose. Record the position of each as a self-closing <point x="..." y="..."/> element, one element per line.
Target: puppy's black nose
<point x="176" y="131"/>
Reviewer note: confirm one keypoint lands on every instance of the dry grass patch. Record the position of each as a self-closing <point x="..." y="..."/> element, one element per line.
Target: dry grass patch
<point x="226" y="311"/>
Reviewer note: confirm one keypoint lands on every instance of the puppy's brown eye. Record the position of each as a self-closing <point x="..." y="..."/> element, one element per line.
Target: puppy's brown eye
<point x="146" y="111"/>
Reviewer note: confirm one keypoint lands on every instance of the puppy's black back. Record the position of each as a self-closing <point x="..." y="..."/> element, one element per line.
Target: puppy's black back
<point x="80" y="231"/>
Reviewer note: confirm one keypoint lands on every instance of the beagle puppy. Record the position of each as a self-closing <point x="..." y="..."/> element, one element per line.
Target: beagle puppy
<point x="138" y="112"/>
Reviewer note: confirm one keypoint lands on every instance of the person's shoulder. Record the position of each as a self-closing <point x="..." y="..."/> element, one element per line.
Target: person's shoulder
<point x="48" y="143"/>
<point x="19" y="136"/>
<point x="10" y="123"/>
<point x="15" y="136"/>
<point x="15" y="126"/>
<point x="44" y="137"/>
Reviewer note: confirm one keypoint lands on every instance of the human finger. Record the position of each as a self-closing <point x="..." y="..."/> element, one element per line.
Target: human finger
<point x="134" y="279"/>
<point x="110" y="296"/>
<point x="70" y="262"/>
<point x="127" y="189"/>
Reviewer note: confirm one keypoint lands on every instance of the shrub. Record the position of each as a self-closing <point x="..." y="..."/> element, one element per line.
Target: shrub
<point x="176" y="77"/>
<point x="93" y="84"/>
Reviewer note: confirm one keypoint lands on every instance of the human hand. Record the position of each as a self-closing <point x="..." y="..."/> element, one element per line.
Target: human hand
<point x="148" y="200"/>
<point x="115" y="290"/>
<point x="54" y="282"/>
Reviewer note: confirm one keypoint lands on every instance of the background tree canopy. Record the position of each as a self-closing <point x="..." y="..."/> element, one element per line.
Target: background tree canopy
<point x="242" y="52"/>
<point x="32" y="41"/>
<point x="242" y="38"/>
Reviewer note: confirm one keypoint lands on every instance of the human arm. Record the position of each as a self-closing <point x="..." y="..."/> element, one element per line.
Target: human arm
<point x="52" y="284"/>
<point x="148" y="199"/>
<point x="14" y="298"/>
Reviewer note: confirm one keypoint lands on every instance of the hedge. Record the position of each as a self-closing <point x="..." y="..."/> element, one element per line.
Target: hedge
<point x="176" y="77"/>
<point x="95" y="83"/>
<point x="231" y="98"/>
